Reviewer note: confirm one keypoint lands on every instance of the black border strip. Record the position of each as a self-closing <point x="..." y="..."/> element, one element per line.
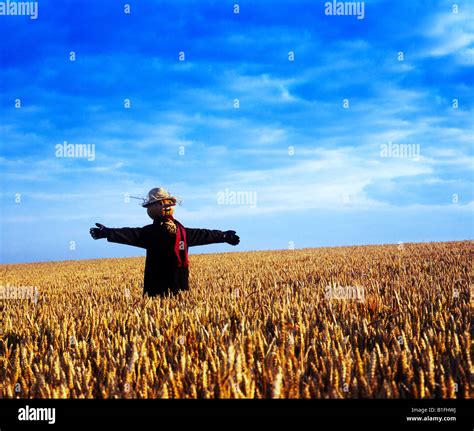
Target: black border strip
<point x="368" y="413"/>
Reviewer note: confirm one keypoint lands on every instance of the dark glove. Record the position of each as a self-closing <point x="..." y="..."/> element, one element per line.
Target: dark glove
<point x="98" y="232"/>
<point x="231" y="238"/>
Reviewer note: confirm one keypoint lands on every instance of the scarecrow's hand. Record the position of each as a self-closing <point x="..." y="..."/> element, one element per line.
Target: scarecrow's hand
<point x="231" y="238"/>
<point x="98" y="232"/>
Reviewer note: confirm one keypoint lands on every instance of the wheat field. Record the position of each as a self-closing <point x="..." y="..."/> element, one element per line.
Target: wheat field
<point x="390" y="321"/>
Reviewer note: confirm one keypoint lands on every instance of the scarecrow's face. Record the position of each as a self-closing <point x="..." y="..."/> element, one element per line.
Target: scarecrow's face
<point x="160" y="209"/>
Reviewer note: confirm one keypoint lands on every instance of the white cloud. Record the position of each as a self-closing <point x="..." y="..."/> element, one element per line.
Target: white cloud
<point x="261" y="87"/>
<point x="332" y="179"/>
<point x="452" y="34"/>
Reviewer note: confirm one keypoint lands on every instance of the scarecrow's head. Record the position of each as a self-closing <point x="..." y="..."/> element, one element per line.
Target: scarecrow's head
<point x="159" y="203"/>
<point x="160" y="209"/>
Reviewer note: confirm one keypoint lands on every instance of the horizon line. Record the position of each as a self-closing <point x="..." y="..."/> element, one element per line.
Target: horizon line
<point x="248" y="251"/>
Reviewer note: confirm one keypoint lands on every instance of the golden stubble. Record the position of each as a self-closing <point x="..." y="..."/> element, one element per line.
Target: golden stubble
<point x="253" y="325"/>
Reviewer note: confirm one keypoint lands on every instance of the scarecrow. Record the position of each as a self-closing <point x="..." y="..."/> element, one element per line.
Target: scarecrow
<point x="166" y="242"/>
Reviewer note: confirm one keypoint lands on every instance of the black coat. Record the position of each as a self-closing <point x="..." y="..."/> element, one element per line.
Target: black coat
<point x="162" y="274"/>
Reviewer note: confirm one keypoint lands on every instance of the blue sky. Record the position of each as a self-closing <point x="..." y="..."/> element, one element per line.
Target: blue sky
<point x="315" y="166"/>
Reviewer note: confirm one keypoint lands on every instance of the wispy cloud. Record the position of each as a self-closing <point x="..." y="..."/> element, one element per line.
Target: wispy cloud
<point x="452" y="33"/>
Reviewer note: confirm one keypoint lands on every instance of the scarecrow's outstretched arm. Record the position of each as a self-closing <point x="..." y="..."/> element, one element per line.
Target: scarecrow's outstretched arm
<point x="203" y="236"/>
<point x="206" y="236"/>
<point x="127" y="235"/>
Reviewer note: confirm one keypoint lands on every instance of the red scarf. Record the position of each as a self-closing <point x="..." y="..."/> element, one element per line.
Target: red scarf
<point x="180" y="252"/>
